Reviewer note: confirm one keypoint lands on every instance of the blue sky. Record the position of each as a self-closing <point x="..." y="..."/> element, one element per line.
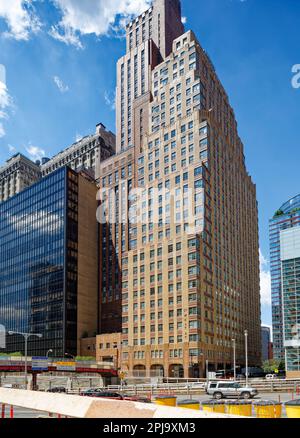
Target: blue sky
<point x="59" y="56"/>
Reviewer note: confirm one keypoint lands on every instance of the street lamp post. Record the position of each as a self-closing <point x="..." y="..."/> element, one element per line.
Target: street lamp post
<point x="26" y="336"/>
<point x="234" y="359"/>
<point x="246" y="353"/>
<point x="49" y="351"/>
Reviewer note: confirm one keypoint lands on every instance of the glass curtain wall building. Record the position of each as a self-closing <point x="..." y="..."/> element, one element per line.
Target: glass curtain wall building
<point x="288" y="216"/>
<point x="39" y="264"/>
<point x="290" y="259"/>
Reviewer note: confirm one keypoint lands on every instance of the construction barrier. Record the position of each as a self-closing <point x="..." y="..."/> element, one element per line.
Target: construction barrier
<point x="268" y="409"/>
<point x="293" y="408"/>
<point x="189" y="404"/>
<point x="89" y="407"/>
<point x="216" y="406"/>
<point x="241" y="408"/>
<point x="166" y="400"/>
<point x="3" y="411"/>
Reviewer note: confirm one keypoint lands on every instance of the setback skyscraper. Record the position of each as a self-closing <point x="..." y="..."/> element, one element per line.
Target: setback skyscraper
<point x="183" y="280"/>
<point x="178" y="265"/>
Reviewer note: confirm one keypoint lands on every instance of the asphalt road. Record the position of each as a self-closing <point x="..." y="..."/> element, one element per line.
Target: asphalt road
<point x="25" y="413"/>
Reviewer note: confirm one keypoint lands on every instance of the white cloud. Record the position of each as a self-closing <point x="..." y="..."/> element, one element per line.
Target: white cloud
<point x="2" y="74"/>
<point x="97" y="17"/>
<point x="184" y="20"/>
<point x="20" y="18"/>
<point x="6" y="102"/>
<point x="2" y="130"/>
<point x="67" y="36"/>
<point x="265" y="281"/>
<point x="110" y="100"/>
<point x="11" y="148"/>
<point x="35" y="153"/>
<point x="60" y="85"/>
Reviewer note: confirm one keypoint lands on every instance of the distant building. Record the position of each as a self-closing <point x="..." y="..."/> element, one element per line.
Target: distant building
<point x="87" y="153"/>
<point x="271" y="356"/>
<point x="49" y="264"/>
<point x="288" y="216"/>
<point x="16" y="174"/>
<point x="265" y="341"/>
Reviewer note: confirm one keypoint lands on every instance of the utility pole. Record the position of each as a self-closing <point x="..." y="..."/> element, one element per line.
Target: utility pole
<point x="26" y="336"/>
<point x="246" y="353"/>
<point x="234" y="359"/>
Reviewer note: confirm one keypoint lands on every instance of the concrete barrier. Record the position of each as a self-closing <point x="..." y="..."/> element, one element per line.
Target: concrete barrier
<point x="89" y="407"/>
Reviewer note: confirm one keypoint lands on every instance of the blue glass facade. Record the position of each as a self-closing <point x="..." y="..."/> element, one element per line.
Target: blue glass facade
<point x="291" y="311"/>
<point x="288" y="216"/>
<point x="38" y="264"/>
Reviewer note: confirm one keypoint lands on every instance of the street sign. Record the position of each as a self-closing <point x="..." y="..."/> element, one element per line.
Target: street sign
<point x="66" y="366"/>
<point x="39" y="363"/>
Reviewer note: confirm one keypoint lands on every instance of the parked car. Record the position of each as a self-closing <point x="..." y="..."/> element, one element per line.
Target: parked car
<point x="57" y="389"/>
<point x="254" y="372"/>
<point x="223" y="389"/>
<point x="136" y="399"/>
<point x="271" y="377"/>
<point x="95" y="392"/>
<point x="224" y="374"/>
<point x="195" y="385"/>
<point x="99" y="392"/>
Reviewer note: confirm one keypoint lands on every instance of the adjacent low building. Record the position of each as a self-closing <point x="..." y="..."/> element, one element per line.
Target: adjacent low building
<point x="49" y="264"/>
<point x="105" y="348"/>
<point x="20" y="172"/>
<point x="87" y="153"/>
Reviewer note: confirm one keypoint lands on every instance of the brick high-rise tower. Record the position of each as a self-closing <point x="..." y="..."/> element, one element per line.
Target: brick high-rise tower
<point x="183" y="281"/>
<point x="149" y="40"/>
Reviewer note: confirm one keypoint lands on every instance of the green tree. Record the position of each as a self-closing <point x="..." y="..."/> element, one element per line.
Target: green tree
<point x="85" y="359"/>
<point x="271" y="366"/>
<point x="278" y="213"/>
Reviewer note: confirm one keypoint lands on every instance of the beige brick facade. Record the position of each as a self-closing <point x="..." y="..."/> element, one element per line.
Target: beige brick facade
<point x="189" y="267"/>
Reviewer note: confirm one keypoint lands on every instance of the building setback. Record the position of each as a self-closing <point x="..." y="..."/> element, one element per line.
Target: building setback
<point x="179" y="287"/>
<point x="288" y="216"/>
<point x="48" y="264"/>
